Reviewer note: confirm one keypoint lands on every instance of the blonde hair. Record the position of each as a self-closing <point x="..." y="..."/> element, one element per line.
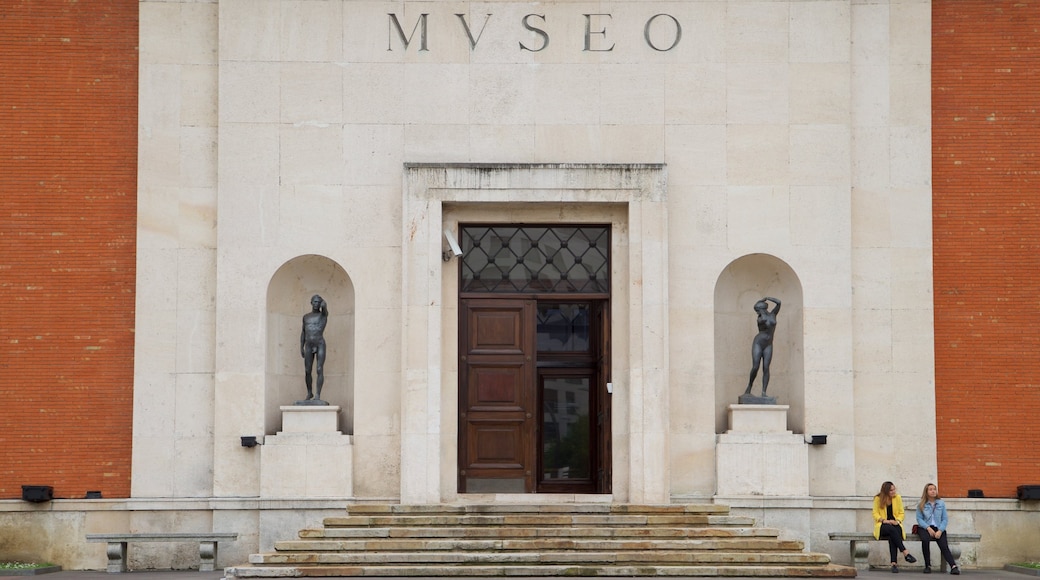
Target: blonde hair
<point x="924" y="495"/>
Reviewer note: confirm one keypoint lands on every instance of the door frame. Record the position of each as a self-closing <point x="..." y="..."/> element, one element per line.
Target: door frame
<point x="632" y="197"/>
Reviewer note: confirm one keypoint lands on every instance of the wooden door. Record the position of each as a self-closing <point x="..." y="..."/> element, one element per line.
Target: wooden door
<point x="496" y="401"/>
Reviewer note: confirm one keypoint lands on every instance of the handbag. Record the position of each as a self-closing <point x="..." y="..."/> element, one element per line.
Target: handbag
<point x="915" y="528"/>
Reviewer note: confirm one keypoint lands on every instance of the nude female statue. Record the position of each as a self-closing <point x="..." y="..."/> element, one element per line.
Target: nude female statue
<point x="762" y="346"/>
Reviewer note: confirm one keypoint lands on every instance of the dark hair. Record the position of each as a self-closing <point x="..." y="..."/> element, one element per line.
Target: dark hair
<point x="883" y="495"/>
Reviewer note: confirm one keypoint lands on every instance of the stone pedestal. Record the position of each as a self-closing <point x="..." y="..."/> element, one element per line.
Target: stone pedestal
<point x="310" y="419"/>
<point x="759" y="456"/>
<point x="309" y="457"/>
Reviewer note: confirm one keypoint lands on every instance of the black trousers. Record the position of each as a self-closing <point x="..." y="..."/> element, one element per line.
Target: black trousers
<point x="894" y="535"/>
<point x="944" y="547"/>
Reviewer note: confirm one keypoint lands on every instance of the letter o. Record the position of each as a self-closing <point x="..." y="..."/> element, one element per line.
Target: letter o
<point x="678" y="33"/>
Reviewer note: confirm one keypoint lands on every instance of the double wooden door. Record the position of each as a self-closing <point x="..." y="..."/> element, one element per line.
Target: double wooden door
<point x="534" y="406"/>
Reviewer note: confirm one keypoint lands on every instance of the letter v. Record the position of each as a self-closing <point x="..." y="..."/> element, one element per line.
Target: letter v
<point x="473" y="42"/>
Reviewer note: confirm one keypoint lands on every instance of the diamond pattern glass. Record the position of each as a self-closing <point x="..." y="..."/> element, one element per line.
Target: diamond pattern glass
<point x="522" y="259"/>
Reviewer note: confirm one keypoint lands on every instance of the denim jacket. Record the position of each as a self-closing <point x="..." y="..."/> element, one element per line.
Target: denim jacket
<point x="938" y="509"/>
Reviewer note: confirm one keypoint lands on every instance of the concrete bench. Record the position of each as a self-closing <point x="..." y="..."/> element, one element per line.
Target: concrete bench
<point x="859" y="546"/>
<point x="207" y="546"/>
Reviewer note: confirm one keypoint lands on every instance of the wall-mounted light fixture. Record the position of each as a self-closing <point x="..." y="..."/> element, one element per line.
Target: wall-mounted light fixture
<point x="250" y="441"/>
<point x="1029" y="492"/>
<point x="37" y="493"/>
<point x="816" y="440"/>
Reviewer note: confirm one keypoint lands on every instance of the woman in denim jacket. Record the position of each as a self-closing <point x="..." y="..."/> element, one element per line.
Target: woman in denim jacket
<point x="931" y="527"/>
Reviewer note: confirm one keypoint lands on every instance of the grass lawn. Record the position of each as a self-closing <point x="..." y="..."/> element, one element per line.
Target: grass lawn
<point x="23" y="565"/>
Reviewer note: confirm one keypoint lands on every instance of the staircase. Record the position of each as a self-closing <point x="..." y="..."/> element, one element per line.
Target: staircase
<point x="538" y="540"/>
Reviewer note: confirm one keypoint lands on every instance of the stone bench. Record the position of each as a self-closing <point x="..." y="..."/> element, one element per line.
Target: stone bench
<point x="859" y="546"/>
<point x="207" y="546"/>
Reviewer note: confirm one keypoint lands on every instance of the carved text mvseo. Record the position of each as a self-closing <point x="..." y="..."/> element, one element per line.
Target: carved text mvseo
<point x="596" y="38"/>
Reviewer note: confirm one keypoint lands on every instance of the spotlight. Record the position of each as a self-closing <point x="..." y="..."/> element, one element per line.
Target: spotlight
<point x="249" y="441"/>
<point x="817" y="440"/>
<point x="1029" y="492"/>
<point x="37" y="493"/>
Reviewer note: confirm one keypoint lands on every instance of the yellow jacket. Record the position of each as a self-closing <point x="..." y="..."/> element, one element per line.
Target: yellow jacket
<point x="881" y="513"/>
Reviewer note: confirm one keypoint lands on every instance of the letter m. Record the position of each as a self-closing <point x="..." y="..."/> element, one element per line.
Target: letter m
<point x="395" y="25"/>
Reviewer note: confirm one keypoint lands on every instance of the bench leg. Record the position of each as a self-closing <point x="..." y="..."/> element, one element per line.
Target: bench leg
<point x="207" y="556"/>
<point x="955" y="551"/>
<point x="116" y="557"/>
<point x="859" y="551"/>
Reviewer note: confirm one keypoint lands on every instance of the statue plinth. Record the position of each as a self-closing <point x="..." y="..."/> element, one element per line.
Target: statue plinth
<point x="309" y="457"/>
<point x="318" y="417"/>
<point x="751" y="418"/>
<point x="758" y="456"/>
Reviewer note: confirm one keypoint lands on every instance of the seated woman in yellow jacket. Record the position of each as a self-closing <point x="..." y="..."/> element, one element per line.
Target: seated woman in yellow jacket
<point x="888" y="522"/>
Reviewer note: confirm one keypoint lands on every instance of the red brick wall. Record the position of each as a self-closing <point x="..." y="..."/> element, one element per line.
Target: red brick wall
<point x="986" y="218"/>
<point x="68" y="188"/>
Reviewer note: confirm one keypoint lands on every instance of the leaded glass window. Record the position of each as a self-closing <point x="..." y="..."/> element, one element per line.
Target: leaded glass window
<point x="556" y="259"/>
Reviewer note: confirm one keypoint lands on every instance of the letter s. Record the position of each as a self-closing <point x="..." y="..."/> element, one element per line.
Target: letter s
<point x="536" y="30"/>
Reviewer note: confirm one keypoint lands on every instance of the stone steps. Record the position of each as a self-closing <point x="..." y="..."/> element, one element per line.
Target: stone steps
<point x="814" y="571"/>
<point x="630" y="557"/>
<point x="538" y="509"/>
<point x="538" y="520"/>
<point x="534" y="532"/>
<point x="538" y="540"/>
<point x="394" y="545"/>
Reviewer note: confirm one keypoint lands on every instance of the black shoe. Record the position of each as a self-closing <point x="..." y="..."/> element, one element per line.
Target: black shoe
<point x="955" y="571"/>
<point x="895" y="569"/>
<point x="910" y="558"/>
<point x="927" y="569"/>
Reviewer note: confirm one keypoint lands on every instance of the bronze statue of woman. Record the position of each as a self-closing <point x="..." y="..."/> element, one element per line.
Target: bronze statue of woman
<point x="762" y="346"/>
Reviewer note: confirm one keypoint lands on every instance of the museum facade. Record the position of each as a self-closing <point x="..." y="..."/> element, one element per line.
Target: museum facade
<point x="541" y="231"/>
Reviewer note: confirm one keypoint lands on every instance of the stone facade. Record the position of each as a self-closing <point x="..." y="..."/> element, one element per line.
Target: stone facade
<point x="790" y="135"/>
<point x="323" y="147"/>
<point x="737" y="149"/>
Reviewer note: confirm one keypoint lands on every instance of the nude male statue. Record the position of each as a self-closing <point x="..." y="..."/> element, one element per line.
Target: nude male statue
<point x="312" y="344"/>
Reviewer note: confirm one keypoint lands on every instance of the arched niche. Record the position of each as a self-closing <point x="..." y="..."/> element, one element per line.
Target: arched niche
<point x="741" y="284"/>
<point x="288" y="299"/>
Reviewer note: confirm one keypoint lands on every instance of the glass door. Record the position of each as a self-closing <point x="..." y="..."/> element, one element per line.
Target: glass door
<point x="566" y="435"/>
<point x="567" y="378"/>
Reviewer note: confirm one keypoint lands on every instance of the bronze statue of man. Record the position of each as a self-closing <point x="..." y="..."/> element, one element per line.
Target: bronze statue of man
<point x="312" y="344"/>
<point x="762" y="345"/>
